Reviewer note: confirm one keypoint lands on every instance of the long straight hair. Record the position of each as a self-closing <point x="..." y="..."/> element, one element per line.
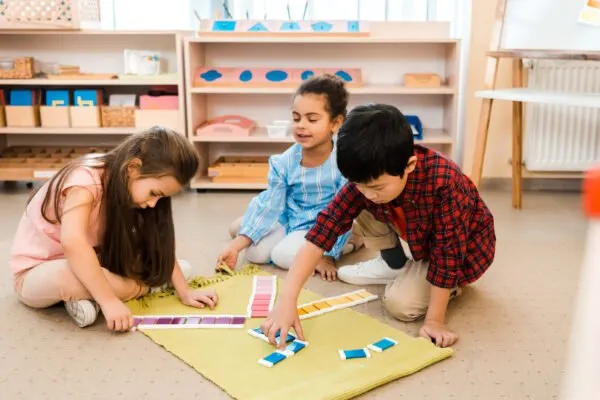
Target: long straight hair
<point x="137" y="243"/>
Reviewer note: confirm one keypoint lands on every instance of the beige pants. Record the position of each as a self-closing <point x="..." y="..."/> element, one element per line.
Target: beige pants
<point x="407" y="297"/>
<point x="54" y="281"/>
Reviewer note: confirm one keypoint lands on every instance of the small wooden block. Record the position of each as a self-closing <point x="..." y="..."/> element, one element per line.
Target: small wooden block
<point x="354" y="297"/>
<point x="310" y="309"/>
<point x="322" y="305"/>
<point x="336" y="301"/>
<point x="301" y="311"/>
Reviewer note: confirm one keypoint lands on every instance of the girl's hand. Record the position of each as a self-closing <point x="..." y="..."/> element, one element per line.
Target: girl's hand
<point x="200" y="298"/>
<point x="118" y="316"/>
<point x="327" y="269"/>
<point x="283" y="317"/>
<point x="229" y="256"/>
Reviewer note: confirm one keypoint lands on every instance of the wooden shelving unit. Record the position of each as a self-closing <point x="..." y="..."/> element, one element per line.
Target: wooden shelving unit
<point x="94" y="52"/>
<point x="391" y="51"/>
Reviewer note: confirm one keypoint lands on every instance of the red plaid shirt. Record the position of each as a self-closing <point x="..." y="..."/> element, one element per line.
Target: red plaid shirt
<point x="447" y="222"/>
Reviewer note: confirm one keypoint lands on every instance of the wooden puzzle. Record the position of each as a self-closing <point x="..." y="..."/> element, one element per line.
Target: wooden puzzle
<point x="258" y="333"/>
<point x="330" y="304"/>
<point x="354" y="353"/>
<point x="205" y="321"/>
<point x="284" y="27"/>
<point x="227" y="125"/>
<point x="383" y="344"/>
<point x="269" y="76"/>
<point x="262" y="299"/>
<point x="280" y="355"/>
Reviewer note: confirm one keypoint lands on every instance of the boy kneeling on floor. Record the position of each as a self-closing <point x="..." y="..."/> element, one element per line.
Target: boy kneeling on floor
<point x="404" y="198"/>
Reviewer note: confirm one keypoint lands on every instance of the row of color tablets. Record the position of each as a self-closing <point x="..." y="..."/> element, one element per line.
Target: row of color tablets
<point x="335" y="303"/>
<point x="258" y="333"/>
<point x="379" y="346"/>
<point x="188" y="321"/>
<point x="264" y="290"/>
<point x="280" y="355"/>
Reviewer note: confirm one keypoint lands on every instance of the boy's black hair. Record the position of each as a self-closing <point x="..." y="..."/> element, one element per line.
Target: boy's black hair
<point x="375" y="139"/>
<point x="332" y="88"/>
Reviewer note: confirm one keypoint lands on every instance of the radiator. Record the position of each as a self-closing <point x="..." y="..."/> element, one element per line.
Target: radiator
<point x="557" y="137"/>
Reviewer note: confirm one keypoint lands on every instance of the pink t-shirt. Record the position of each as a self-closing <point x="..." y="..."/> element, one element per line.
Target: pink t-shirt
<point x="38" y="240"/>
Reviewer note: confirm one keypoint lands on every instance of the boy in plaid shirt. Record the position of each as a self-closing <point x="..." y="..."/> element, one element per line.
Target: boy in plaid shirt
<point x="433" y="231"/>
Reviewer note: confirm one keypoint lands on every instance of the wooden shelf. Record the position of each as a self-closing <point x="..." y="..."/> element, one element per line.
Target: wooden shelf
<point x="527" y="95"/>
<point x="86" y="82"/>
<point x="382" y="59"/>
<point x="546" y="54"/>
<point x="68" y="131"/>
<point x="316" y="40"/>
<point x="430" y="136"/>
<point x="206" y="183"/>
<point x="365" y="90"/>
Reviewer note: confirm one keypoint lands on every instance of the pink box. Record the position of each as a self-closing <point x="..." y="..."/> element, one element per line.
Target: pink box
<point x="148" y="102"/>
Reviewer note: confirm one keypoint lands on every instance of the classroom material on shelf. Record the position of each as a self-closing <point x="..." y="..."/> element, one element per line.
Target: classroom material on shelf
<point x="18" y="68"/>
<point x="279" y="355"/>
<point x="39" y="163"/>
<point x="521" y="33"/>
<point x="227" y="125"/>
<point x="284" y="27"/>
<point x="201" y="321"/>
<point x="334" y="303"/>
<point x="262" y="299"/>
<point x="239" y="351"/>
<point x="416" y="125"/>
<point x="279" y="129"/>
<point x="50" y="15"/>
<point x="269" y="76"/>
<point x="422" y="80"/>
<point x="239" y="169"/>
<point x="142" y="62"/>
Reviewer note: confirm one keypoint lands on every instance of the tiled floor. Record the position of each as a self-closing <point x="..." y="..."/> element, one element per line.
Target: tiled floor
<point x="513" y="324"/>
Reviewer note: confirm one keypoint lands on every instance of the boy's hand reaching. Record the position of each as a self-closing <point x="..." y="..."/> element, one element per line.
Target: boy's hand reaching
<point x="283" y="317"/>
<point x="439" y="333"/>
<point x="327" y="269"/>
<point x="200" y="298"/>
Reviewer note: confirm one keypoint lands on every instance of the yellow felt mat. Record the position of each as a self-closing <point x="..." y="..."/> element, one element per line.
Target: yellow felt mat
<point x="229" y="357"/>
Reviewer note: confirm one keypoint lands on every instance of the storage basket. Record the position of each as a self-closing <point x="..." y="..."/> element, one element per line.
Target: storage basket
<point x="243" y="169"/>
<point x="18" y="68"/>
<point x="45" y="14"/>
<point x="117" y="116"/>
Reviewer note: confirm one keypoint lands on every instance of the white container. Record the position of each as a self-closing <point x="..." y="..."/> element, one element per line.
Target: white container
<point x="278" y="129"/>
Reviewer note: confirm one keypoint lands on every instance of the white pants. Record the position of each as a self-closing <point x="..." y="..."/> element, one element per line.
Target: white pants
<point x="276" y="246"/>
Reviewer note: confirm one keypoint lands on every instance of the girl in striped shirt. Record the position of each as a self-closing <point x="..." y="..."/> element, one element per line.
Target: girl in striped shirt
<point x="302" y="181"/>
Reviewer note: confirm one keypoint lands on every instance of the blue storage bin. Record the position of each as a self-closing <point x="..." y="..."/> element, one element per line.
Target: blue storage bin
<point x="415" y="122"/>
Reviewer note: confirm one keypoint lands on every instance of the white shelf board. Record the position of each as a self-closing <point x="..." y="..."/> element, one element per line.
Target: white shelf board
<point x="206" y="183"/>
<point x="316" y="39"/>
<point x="430" y="136"/>
<point x="88" y="82"/>
<point x="69" y="131"/>
<point x="373" y="89"/>
<point x="527" y="95"/>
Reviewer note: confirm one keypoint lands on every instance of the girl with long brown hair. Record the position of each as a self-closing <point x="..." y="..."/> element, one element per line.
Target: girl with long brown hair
<point x="100" y="232"/>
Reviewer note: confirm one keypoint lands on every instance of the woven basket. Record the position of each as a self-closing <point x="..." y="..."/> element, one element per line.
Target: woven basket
<point x="22" y="68"/>
<point x="118" y="117"/>
<point x="50" y="14"/>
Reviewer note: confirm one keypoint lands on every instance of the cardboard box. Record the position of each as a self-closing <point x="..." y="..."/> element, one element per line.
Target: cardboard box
<point x="85" y="117"/>
<point x="23" y="116"/>
<point x="55" y="117"/>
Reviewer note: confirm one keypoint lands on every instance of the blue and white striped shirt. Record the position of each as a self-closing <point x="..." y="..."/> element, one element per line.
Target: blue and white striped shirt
<point x="294" y="197"/>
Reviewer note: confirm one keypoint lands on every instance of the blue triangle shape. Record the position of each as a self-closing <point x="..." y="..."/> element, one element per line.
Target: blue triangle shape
<point x="258" y="27"/>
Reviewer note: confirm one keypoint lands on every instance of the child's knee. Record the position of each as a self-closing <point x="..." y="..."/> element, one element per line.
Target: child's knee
<point x="282" y="257"/>
<point x="235" y="227"/>
<point x="258" y="254"/>
<point x="402" y="306"/>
